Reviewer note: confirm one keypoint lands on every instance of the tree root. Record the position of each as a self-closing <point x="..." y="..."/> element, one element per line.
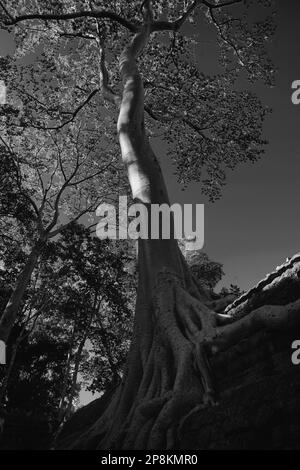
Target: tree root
<point x="175" y="379"/>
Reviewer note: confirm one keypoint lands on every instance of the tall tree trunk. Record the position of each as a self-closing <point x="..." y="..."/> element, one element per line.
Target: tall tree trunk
<point x="167" y="373"/>
<point x="162" y="380"/>
<point x="10" y="313"/>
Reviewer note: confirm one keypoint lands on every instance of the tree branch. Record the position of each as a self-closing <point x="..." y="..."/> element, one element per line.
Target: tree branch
<point x="177" y="24"/>
<point x="180" y="117"/>
<point x="87" y="210"/>
<point x="228" y="41"/>
<point x="104" y="14"/>
<point x="76" y="111"/>
<point x="222" y="5"/>
<point x="106" y="89"/>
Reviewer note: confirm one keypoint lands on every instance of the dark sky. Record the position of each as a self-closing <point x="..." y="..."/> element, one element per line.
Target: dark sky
<point x="256" y="224"/>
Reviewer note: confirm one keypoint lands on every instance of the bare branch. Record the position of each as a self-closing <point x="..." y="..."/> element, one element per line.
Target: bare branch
<point x="221" y="5"/>
<point x="104" y="14"/>
<point x="75" y="183"/>
<point x="58" y="197"/>
<point x="59" y="161"/>
<point x="179" y="116"/>
<point x="72" y="113"/>
<point x="177" y="24"/>
<point x="227" y="40"/>
<point x="76" y="111"/>
<point x="87" y="210"/>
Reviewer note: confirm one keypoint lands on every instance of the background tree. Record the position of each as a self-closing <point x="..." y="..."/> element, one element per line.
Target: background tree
<point x="80" y="291"/>
<point x="207" y="272"/>
<point x="98" y="308"/>
<point x="48" y="181"/>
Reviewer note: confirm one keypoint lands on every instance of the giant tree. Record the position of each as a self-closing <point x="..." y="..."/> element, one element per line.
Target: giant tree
<point x="210" y="125"/>
<point x="48" y="181"/>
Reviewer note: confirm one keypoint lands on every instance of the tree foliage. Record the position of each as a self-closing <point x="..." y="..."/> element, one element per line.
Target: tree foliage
<point x="209" y="122"/>
<point x="74" y="324"/>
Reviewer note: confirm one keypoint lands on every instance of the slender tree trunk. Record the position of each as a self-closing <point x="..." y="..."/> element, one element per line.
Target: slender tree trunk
<point x="77" y="361"/>
<point x="61" y="407"/>
<point x="10" y="313"/>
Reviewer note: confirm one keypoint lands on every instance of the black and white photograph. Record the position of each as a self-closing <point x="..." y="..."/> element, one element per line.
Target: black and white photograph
<point x="149" y="228"/>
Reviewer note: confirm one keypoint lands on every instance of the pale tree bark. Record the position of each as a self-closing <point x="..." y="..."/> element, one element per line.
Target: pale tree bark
<point x="162" y="374"/>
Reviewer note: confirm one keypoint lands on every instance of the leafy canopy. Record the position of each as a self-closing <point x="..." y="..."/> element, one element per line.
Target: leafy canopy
<point x="209" y="121"/>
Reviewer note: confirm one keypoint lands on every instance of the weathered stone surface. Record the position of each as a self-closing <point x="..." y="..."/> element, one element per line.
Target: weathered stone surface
<point x="259" y="398"/>
<point x="280" y="287"/>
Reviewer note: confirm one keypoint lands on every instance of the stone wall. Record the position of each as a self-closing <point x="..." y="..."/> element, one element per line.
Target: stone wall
<point x="259" y="398"/>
